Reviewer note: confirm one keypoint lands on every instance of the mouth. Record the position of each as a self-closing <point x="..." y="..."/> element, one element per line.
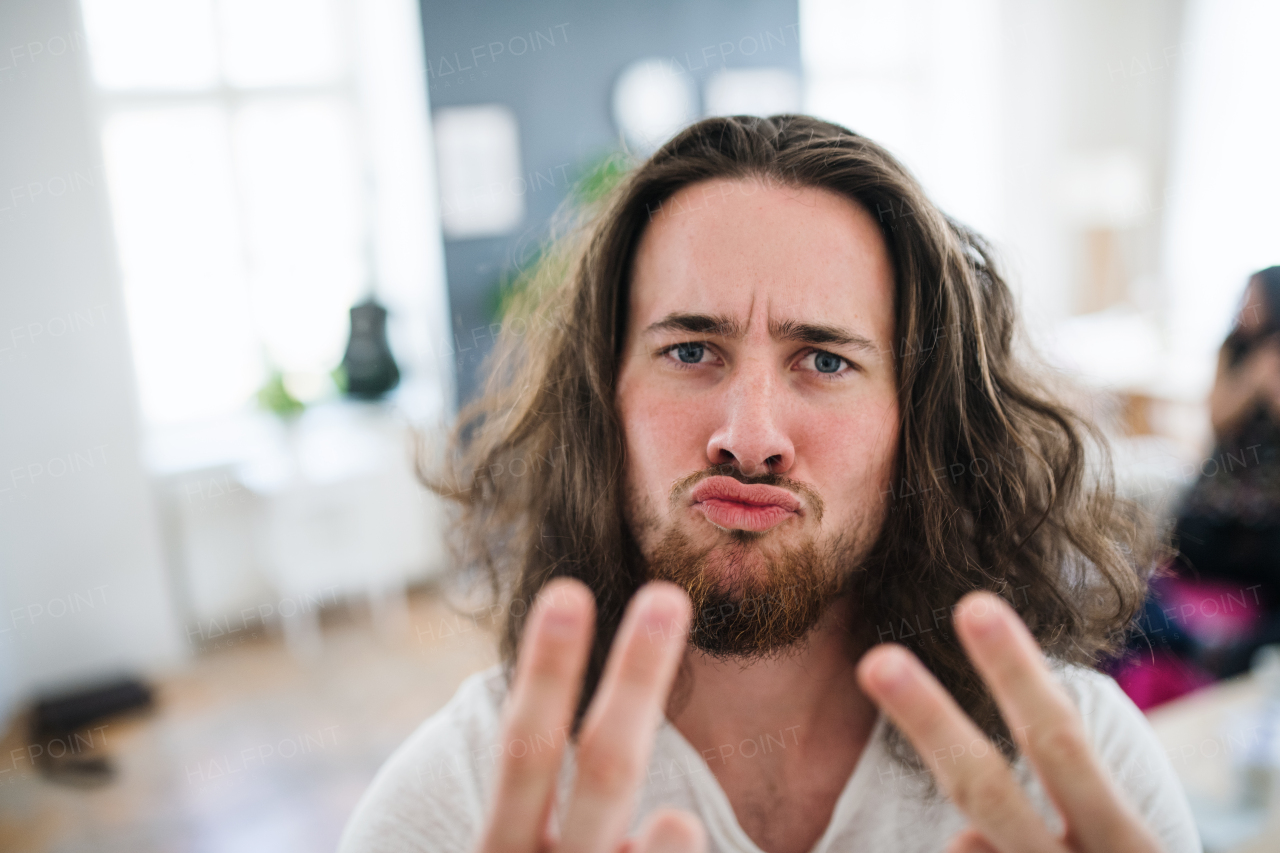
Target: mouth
<point x="731" y="505"/>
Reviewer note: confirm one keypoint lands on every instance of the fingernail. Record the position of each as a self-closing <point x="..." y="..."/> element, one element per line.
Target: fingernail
<point x="560" y="619"/>
<point x="656" y="609"/>
<point x="984" y="617"/>
<point x="891" y="669"/>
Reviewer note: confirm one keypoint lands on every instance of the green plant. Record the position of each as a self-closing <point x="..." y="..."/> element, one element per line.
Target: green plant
<point x="275" y="397"/>
<point x="517" y="292"/>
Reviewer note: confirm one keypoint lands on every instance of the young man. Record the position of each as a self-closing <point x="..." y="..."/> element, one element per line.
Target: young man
<point x="779" y="521"/>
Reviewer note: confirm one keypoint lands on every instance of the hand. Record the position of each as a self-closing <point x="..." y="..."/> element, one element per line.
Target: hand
<point x="979" y="781"/>
<point x="1262" y="366"/>
<point x="617" y="732"/>
<point x="1264" y="374"/>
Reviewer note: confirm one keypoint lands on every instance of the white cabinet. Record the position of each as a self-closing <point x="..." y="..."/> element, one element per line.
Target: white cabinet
<point x="286" y="518"/>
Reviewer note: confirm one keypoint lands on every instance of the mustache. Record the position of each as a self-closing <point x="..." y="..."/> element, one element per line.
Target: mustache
<point x="812" y="500"/>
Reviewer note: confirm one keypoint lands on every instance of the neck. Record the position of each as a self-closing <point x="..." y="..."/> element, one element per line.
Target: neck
<point x="809" y="695"/>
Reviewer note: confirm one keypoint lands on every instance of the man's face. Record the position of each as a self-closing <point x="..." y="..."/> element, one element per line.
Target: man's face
<point x="759" y="404"/>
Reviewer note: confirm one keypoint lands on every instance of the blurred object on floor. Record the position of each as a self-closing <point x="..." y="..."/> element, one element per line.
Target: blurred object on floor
<point x="75" y="709"/>
<point x="62" y="730"/>
<point x="1222" y="743"/>
<point x="250" y="748"/>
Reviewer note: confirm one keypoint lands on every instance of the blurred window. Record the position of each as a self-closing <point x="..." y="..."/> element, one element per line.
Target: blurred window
<point x="922" y="78"/>
<point x="238" y="180"/>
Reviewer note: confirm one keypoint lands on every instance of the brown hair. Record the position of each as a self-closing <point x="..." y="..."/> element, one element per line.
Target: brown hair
<point x="994" y="487"/>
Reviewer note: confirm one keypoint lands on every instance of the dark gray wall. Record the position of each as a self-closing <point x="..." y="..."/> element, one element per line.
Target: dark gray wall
<point x="484" y="52"/>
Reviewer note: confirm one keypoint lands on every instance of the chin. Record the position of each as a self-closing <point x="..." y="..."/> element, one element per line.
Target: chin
<point x="753" y="594"/>
<point x="731" y="573"/>
<point x="719" y="552"/>
<point x="750" y="598"/>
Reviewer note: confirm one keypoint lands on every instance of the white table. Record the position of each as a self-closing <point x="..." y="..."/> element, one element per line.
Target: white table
<point x="1209" y="736"/>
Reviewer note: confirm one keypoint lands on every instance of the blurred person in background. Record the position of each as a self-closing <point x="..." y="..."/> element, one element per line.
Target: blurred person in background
<point x="1220" y="600"/>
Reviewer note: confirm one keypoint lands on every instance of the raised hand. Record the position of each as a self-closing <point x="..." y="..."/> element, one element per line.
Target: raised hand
<point x="979" y="782"/>
<point x="617" y="733"/>
<point x="1265" y="370"/>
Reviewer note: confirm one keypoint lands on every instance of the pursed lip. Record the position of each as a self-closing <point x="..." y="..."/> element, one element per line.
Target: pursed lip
<point x="731" y="505"/>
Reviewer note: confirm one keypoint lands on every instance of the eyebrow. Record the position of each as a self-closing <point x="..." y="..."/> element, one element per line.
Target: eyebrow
<point x="698" y="324"/>
<point x="780" y="330"/>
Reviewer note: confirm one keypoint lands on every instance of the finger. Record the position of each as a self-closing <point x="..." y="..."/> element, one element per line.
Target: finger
<point x="970" y="841"/>
<point x="619" y="728"/>
<point x="968" y="768"/>
<point x="1053" y="736"/>
<point x="544" y="693"/>
<point x="671" y="831"/>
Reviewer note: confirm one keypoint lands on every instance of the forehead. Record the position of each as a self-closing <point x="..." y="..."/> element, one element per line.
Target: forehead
<point x="735" y="246"/>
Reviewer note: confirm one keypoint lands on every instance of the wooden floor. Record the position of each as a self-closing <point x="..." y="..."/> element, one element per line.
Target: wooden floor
<point x="249" y="749"/>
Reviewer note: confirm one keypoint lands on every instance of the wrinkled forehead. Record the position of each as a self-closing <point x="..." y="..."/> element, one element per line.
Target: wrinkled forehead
<point x="746" y="249"/>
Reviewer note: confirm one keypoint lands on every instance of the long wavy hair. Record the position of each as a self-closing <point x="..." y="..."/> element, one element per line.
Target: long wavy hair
<point x="995" y="486"/>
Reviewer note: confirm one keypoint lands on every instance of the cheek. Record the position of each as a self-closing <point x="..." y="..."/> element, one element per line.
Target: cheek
<point x="664" y="438"/>
<point x="660" y="434"/>
<point x="852" y="458"/>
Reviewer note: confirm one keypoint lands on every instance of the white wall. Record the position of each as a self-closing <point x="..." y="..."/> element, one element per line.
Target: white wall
<point x="990" y="102"/>
<point x="82" y="582"/>
<point x="1224" y="221"/>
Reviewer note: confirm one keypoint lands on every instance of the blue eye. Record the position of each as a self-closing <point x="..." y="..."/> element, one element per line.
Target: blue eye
<point x="825" y="362"/>
<point x="690" y="353"/>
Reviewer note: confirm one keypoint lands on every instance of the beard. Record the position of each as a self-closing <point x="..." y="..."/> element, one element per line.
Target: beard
<point x="753" y="599"/>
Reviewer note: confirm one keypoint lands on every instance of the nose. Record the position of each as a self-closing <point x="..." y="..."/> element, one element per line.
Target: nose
<point x="750" y="435"/>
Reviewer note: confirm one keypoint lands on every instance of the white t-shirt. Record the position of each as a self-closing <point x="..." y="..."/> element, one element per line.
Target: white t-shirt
<point x="431" y="795"/>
